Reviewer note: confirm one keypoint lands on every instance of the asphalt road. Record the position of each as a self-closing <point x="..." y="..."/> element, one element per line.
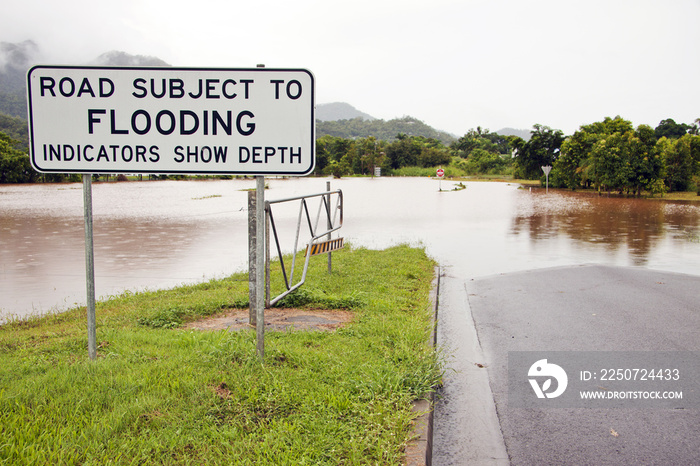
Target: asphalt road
<point x="576" y="310"/>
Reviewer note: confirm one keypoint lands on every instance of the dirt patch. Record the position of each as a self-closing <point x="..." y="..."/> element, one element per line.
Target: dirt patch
<point x="222" y="391"/>
<point x="277" y="320"/>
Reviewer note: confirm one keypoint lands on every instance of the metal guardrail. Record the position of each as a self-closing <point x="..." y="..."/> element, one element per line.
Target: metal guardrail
<point x="333" y="223"/>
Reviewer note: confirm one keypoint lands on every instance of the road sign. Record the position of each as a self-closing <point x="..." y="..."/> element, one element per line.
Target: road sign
<point x="257" y="121"/>
<point x="546" y="169"/>
<point x="440" y="172"/>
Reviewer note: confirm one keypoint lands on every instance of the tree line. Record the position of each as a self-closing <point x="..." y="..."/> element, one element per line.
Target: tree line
<point x="610" y="155"/>
<point x="613" y="156"/>
<point x="342" y="156"/>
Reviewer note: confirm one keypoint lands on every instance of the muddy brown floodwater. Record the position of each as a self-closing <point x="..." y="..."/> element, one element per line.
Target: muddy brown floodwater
<point x="156" y="234"/>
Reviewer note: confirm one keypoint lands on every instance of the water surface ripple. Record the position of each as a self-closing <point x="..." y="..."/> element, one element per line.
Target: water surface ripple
<point x="162" y="233"/>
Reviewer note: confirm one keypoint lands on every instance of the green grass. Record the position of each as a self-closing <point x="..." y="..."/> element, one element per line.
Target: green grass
<point x="686" y="196"/>
<point x="691" y="196"/>
<point x="158" y="394"/>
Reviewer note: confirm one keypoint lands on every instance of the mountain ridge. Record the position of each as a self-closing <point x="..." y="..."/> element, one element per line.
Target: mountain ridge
<point x="382" y="130"/>
<point x="335" y="111"/>
<point x="339" y="119"/>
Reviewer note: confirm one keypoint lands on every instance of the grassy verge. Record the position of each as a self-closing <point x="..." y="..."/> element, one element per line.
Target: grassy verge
<point x="691" y="196"/>
<point x="158" y="394"/>
<point x="687" y="196"/>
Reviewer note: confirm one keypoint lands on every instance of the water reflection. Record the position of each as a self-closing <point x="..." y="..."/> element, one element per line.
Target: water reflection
<point x="161" y="234"/>
<point x="635" y="225"/>
<point x="146" y="235"/>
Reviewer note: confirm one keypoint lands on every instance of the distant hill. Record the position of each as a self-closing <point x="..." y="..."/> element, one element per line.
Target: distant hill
<point x="522" y="133"/>
<point x="17" y="58"/>
<point x="380" y="129"/>
<point x="117" y="58"/>
<point x="339" y="111"/>
<point x="338" y="119"/>
<point x="342" y="120"/>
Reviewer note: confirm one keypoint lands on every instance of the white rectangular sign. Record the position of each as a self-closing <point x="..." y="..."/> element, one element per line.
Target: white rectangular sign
<point x="257" y="121"/>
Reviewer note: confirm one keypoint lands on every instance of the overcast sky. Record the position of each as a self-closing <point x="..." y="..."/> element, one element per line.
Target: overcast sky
<point x="454" y="64"/>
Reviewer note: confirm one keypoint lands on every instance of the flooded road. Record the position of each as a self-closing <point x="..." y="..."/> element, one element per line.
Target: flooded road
<point x="163" y="233"/>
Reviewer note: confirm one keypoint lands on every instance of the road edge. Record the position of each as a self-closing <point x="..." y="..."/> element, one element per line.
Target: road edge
<point x="419" y="451"/>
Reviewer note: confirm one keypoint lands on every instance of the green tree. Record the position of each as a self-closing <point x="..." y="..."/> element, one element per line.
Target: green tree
<point x="679" y="162"/>
<point x="404" y="152"/>
<point x="485" y="162"/>
<point x="433" y="156"/>
<point x="480" y="139"/>
<point x="15" y="166"/>
<point x="609" y="156"/>
<point x="695" y="127"/>
<point x="646" y="164"/>
<point x="569" y="170"/>
<point x="331" y="154"/>
<point x="670" y="129"/>
<point x="369" y="155"/>
<point x="542" y="149"/>
<point x="574" y="167"/>
<point x="695" y="153"/>
<point x="464" y="146"/>
<point x="16" y="129"/>
<point x="338" y="168"/>
<point x="322" y="157"/>
<point x="333" y="148"/>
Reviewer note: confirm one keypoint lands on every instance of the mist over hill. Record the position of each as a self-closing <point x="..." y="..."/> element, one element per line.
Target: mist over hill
<point x="341" y="119"/>
<point x="522" y="133"/>
<point x="338" y="119"/>
<point x="117" y="58"/>
<point x="17" y="58"/>
<point x="339" y="111"/>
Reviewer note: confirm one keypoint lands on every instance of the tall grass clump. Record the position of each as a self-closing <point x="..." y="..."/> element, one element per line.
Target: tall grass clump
<point x="161" y="394"/>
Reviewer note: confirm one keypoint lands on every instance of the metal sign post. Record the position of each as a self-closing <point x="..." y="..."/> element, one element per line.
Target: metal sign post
<point x="546" y="169"/>
<point x="252" y="254"/>
<point x="260" y="265"/>
<point x="89" y="266"/>
<point x="260" y="257"/>
<point x="440" y="174"/>
<point x="329" y="224"/>
<point x="168" y="120"/>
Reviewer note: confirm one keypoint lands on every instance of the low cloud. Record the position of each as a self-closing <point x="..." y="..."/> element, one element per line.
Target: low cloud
<point x="18" y="56"/>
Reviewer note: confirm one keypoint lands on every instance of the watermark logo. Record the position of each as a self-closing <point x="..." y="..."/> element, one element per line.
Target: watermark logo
<point x="604" y="379"/>
<point x="547" y="371"/>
